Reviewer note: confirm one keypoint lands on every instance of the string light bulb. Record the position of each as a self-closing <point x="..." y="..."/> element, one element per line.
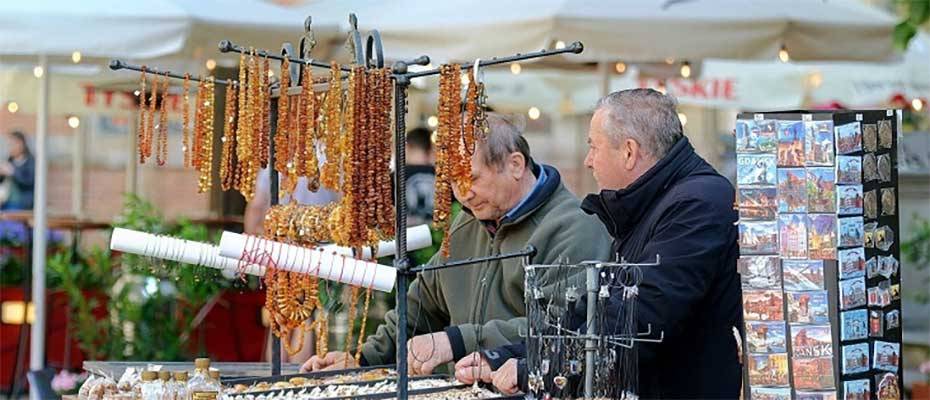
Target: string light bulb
<point x="38" y="71"/>
<point x="12" y="107"/>
<point x="783" y="54"/>
<point x="917" y="104"/>
<point x="76" y="57"/>
<point x="685" y="70"/>
<point x="74" y="122"/>
<point x="620" y="67"/>
<point x="211" y="64"/>
<point x="432" y="121"/>
<point x="533" y="113"/>
<point x="515" y="68"/>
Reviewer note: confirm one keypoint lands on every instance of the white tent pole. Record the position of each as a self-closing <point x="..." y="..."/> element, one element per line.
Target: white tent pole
<point x="39" y="231"/>
<point x="132" y="163"/>
<point x="77" y="171"/>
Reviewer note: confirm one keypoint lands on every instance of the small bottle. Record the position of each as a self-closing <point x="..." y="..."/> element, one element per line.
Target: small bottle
<point x="167" y="392"/>
<point x="152" y="388"/>
<point x="216" y="383"/>
<point x="200" y="386"/>
<point x="180" y="385"/>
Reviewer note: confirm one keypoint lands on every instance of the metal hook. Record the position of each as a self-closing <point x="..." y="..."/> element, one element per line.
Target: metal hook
<point x="374" y="45"/>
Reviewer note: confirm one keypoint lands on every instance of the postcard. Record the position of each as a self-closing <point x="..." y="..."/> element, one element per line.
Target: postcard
<point x="769" y="393"/>
<point x="801" y="275"/>
<point x="755" y="136"/>
<point x="849" y="170"/>
<point x="758" y="237"/>
<point x="849" y="199"/>
<point x="855" y="358"/>
<point x="851" y="263"/>
<point x="857" y="390"/>
<point x="792" y="190"/>
<point x="755" y="170"/>
<point x="766" y="337"/>
<point x="759" y="272"/>
<point x="853" y="325"/>
<point x="811" y="341"/>
<point x="792" y="235"/>
<point x="791" y="143"/>
<point x="801" y="395"/>
<point x="768" y="369"/>
<point x="821" y="236"/>
<point x="821" y="190"/>
<point x="876" y="322"/>
<point x="760" y="203"/>
<point x="851" y="232"/>
<point x="819" y="143"/>
<point x="848" y="138"/>
<point x="765" y="305"/>
<point x="808" y="307"/>
<point x="892" y="320"/>
<point x="813" y="373"/>
<point x="852" y="293"/>
<point x="887" y="356"/>
<point x="887" y="387"/>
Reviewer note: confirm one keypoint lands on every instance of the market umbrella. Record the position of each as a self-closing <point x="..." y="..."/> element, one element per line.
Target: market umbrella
<point x="50" y="29"/>
<point x="642" y="31"/>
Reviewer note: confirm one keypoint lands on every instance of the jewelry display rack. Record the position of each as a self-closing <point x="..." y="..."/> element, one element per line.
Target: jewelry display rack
<point x="369" y="54"/>
<point x="599" y="279"/>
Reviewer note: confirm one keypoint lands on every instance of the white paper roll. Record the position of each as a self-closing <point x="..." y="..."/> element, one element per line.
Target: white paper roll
<point x="174" y="249"/>
<point x="323" y="262"/>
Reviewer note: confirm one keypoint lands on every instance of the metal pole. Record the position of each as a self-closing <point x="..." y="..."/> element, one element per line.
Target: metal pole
<point x="400" y="207"/>
<point x="589" y="344"/>
<point x="132" y="162"/>
<point x="39" y="229"/>
<point x="77" y="171"/>
<point x="273" y="184"/>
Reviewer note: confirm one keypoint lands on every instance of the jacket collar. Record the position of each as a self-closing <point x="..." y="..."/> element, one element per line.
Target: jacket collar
<point x="621" y="210"/>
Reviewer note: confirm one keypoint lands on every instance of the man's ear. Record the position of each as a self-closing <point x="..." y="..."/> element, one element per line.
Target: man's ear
<point x="517" y="165"/>
<point x="629" y="149"/>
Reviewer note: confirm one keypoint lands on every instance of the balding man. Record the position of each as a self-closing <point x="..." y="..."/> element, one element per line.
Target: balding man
<point x="658" y="197"/>
<point x="513" y="202"/>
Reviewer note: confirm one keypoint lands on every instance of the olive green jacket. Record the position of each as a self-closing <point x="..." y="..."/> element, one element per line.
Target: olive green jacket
<point x="452" y="299"/>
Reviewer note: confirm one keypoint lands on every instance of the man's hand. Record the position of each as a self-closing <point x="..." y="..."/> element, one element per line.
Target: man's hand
<point x="426" y="352"/>
<point x="333" y="360"/>
<point x="471" y="368"/>
<point x="505" y="378"/>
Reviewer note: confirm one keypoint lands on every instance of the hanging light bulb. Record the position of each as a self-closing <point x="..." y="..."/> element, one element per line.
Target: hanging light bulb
<point x="76" y="57"/>
<point x="465" y="79"/>
<point x="432" y="121"/>
<point x="211" y="64"/>
<point x="12" y="107"/>
<point x="515" y="68"/>
<point x="559" y="45"/>
<point x="685" y="69"/>
<point x="620" y="67"/>
<point x="783" y="54"/>
<point x="38" y="71"/>
<point x="74" y="121"/>
<point x="917" y="104"/>
<point x="669" y="61"/>
<point x="433" y="137"/>
<point x="533" y="113"/>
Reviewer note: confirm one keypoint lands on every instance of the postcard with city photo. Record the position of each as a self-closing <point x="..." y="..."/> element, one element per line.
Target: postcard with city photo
<point x="791" y="144"/>
<point x="819" y="143"/>
<point x="792" y="190"/>
<point x="755" y="170"/>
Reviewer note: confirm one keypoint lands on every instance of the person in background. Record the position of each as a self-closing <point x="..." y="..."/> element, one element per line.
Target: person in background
<point x="17" y="174"/>
<point x="253" y="223"/>
<point x="421" y="176"/>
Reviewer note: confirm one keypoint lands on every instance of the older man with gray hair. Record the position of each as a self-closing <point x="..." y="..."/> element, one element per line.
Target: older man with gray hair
<point x="658" y="197"/>
<point x="513" y="202"/>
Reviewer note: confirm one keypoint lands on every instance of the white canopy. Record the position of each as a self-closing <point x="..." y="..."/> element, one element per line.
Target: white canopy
<point x="642" y="30"/>
<point x="140" y="29"/>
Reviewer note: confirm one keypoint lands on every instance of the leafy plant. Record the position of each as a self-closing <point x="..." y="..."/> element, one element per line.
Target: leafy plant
<point x="917" y="252"/>
<point x="918" y="13"/>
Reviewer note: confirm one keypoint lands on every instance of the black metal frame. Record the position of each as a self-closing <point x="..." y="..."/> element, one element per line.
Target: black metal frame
<point x="370" y="54"/>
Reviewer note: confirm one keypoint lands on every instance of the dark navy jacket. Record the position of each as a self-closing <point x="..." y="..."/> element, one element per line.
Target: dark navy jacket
<point x="682" y="210"/>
